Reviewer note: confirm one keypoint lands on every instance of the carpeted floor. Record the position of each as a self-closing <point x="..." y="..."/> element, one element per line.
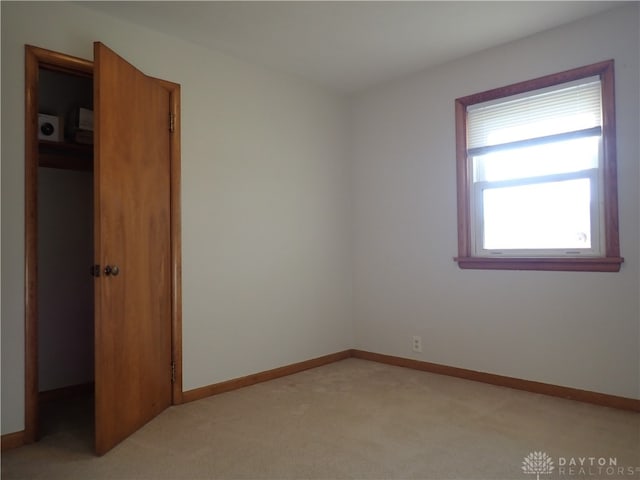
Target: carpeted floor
<point x="351" y="419"/>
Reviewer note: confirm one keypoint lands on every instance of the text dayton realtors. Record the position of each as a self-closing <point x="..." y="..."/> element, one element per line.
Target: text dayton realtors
<point x="593" y="466"/>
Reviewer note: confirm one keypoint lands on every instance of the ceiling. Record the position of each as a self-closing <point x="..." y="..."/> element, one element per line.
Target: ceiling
<point x="350" y="45"/>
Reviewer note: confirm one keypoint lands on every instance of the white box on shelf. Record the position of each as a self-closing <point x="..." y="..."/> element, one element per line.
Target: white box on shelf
<point x="50" y="128"/>
<point x="85" y="119"/>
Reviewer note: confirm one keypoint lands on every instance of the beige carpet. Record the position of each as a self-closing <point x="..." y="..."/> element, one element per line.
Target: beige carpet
<point x="351" y="419"/>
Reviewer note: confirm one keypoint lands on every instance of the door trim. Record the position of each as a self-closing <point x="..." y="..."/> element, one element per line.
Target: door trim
<point x="35" y="58"/>
<point x="176" y="242"/>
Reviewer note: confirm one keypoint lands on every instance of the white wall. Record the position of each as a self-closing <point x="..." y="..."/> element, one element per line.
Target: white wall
<point x="573" y="329"/>
<point x="265" y="197"/>
<point x="65" y="288"/>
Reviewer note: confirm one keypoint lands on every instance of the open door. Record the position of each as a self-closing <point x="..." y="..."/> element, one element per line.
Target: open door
<point x="133" y="285"/>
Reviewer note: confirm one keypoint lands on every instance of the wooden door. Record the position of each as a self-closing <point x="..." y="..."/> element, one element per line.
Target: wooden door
<point x="133" y="305"/>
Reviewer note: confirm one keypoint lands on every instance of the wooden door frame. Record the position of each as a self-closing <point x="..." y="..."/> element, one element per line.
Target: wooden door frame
<point x="35" y="58"/>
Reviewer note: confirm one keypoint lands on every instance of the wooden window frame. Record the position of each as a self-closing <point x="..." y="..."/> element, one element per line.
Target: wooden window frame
<point x="611" y="261"/>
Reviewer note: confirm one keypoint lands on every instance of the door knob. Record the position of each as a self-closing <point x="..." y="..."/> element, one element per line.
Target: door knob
<point x="111" y="270"/>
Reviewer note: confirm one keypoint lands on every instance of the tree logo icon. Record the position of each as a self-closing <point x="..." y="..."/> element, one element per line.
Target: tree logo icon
<point x="537" y="463"/>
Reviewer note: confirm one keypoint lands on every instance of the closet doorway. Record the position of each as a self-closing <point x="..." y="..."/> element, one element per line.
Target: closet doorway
<point x="102" y="256"/>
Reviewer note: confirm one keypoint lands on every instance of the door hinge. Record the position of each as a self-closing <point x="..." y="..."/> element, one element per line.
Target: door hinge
<point x="172" y="121"/>
<point x="173" y="372"/>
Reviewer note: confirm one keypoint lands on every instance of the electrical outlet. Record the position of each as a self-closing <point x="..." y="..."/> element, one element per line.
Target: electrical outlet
<point x="417" y="343"/>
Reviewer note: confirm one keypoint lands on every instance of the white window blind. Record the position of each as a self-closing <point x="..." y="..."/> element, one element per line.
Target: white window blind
<point x="564" y="108"/>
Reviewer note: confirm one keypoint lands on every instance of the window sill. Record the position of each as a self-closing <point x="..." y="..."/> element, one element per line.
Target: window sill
<point x="591" y="264"/>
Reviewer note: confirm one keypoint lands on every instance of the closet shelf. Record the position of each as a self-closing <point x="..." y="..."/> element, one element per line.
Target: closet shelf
<point x="69" y="156"/>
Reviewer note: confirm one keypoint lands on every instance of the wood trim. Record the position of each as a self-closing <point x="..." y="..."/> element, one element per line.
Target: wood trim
<point x="176" y="239"/>
<point x="12" y="440"/>
<point x="610" y="170"/>
<point x="586" y="264"/>
<point x="538" y="83"/>
<point x="70" y="391"/>
<point x="463" y="181"/>
<point x="176" y="244"/>
<point x="32" y="60"/>
<point x="61" y="62"/>
<point x="586" y="396"/>
<point x="236" y="383"/>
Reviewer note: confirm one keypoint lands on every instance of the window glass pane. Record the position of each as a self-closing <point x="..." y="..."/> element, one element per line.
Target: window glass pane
<point x="545" y="215"/>
<point x="547" y="159"/>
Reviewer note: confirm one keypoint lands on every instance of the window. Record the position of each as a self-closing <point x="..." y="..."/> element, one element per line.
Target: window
<point x="537" y="174"/>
